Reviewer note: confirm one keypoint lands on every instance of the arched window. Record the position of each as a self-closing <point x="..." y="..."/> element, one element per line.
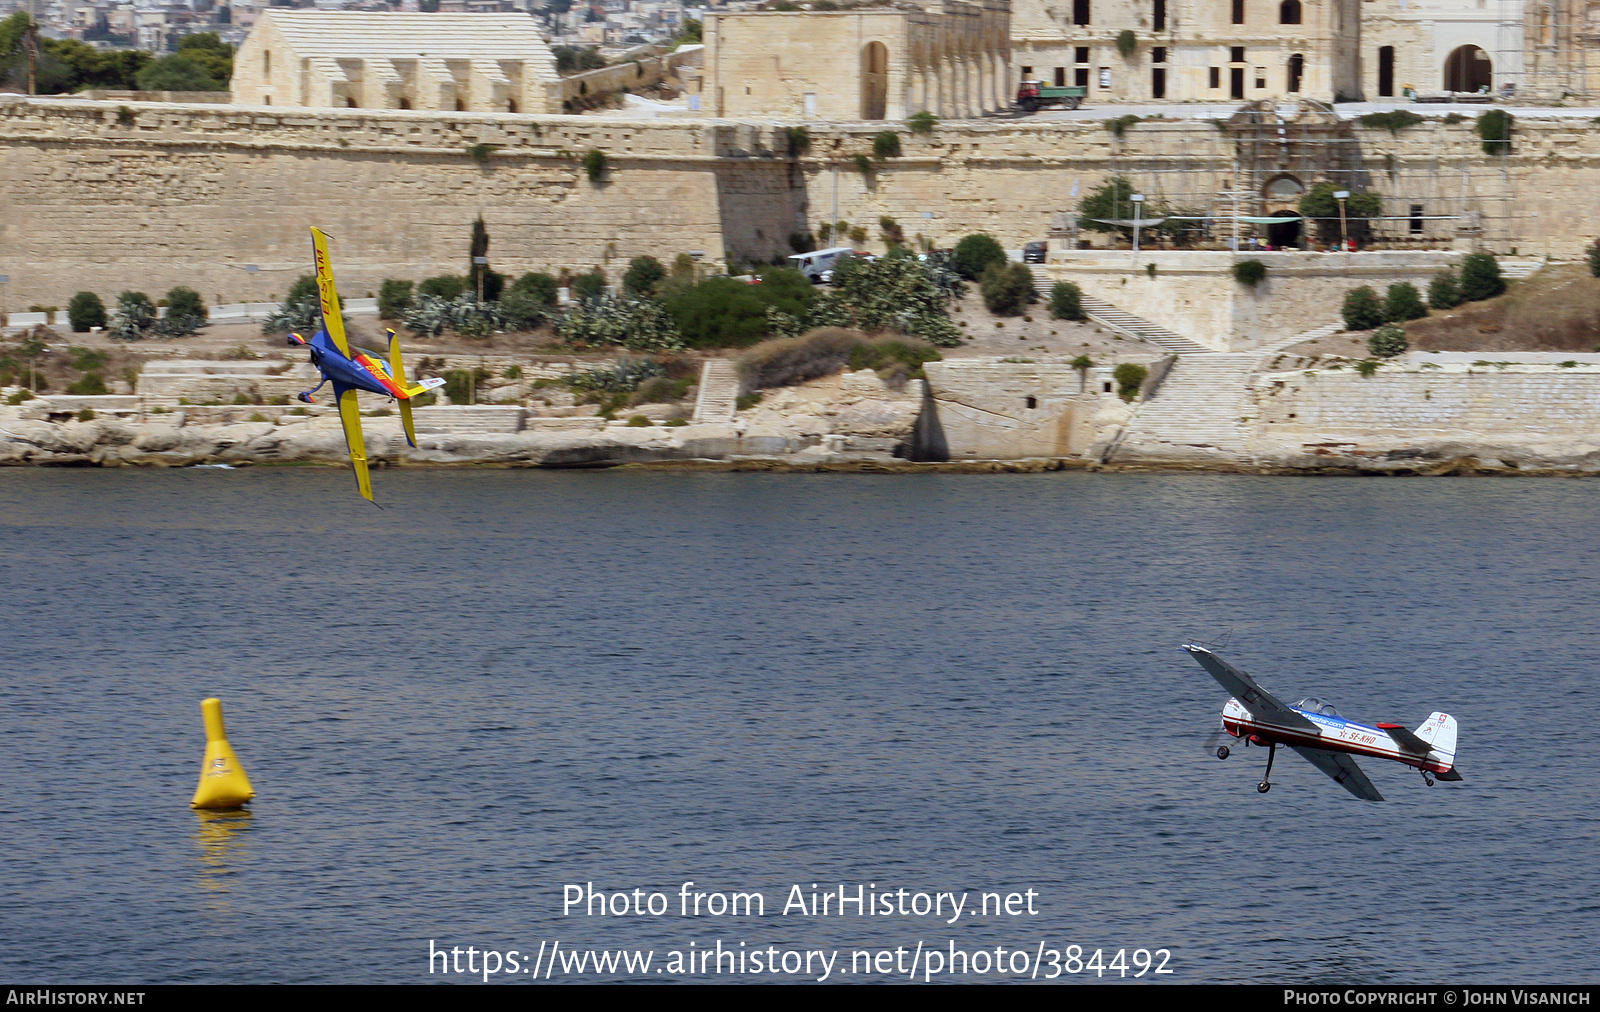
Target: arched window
<point x="1297" y="70"/>
<point x="1289" y="12"/>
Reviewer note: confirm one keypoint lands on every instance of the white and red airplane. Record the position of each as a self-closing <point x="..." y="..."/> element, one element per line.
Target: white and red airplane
<point x="1328" y="741"/>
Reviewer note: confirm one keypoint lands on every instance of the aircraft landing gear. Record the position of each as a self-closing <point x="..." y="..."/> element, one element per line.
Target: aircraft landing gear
<point x="1222" y="752"/>
<point x="1425" y="778"/>
<point x="1266" y="778"/>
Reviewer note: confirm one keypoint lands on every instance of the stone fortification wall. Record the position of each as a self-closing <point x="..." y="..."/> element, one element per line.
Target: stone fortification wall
<point x="987" y="408"/>
<point x="190" y="194"/>
<point x="1194" y="293"/>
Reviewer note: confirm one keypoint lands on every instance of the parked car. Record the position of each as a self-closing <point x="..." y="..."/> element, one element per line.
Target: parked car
<point x="1035" y="252"/>
<point x="818" y="264"/>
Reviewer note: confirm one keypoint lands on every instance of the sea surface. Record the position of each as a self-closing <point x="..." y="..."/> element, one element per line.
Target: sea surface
<point x="506" y="683"/>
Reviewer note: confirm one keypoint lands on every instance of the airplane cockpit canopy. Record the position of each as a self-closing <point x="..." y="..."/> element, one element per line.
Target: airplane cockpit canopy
<point x="1311" y="704"/>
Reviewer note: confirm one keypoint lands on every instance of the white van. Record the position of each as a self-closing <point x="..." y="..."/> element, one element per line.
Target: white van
<point x="818" y="264"/>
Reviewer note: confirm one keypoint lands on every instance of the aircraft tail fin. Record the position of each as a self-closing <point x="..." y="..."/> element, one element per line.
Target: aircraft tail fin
<point x="1439" y="731"/>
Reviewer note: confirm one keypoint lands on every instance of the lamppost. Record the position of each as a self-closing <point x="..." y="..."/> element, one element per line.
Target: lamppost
<point x="480" y="266"/>
<point x="1344" y="235"/>
<point x="1138" y="205"/>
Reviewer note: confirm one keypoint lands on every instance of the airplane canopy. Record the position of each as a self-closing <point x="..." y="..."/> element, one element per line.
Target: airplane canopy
<point x="1311" y="704"/>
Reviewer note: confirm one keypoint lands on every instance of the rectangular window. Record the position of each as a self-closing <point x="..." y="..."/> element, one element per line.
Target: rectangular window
<point x="1214" y="77"/>
<point x="1158" y="16"/>
<point x="1080" y="12"/>
<point x="1080" y="77"/>
<point x="1416" y="219"/>
<point x="1238" y="12"/>
<point x="1236" y="54"/>
<point x="1261" y="78"/>
<point x="1158" y="82"/>
<point x="1080" y="54"/>
<point x="1386" y="71"/>
<point x="1236" y="82"/>
<point x="1027" y="73"/>
<point x="1158" y="54"/>
<point x="1105" y="78"/>
<point x="1061" y="77"/>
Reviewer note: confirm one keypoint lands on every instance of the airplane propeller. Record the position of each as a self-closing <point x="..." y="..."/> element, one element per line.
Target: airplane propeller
<point x="1220" y="739"/>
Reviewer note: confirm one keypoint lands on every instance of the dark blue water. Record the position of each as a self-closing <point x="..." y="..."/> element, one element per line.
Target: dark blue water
<point x="508" y="682"/>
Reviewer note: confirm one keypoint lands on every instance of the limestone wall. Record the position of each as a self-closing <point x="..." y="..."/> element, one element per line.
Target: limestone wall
<point x="1194" y="292"/>
<point x="190" y="194"/>
<point x="986" y="408"/>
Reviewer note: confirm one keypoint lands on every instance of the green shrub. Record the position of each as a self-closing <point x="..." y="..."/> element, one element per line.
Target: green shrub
<point x="541" y="287"/>
<point x="1362" y="309"/>
<point x="135" y="314"/>
<point x="1480" y="277"/>
<point x="863" y="164"/>
<point x="1388" y="341"/>
<point x="86" y="415"/>
<point x="1119" y="125"/>
<point x="513" y="372"/>
<point x="1494" y="127"/>
<point x="747" y="401"/>
<point x="886" y="145"/>
<point x="1249" y="272"/>
<point x="1006" y="288"/>
<point x="1394" y="122"/>
<point x="1129" y="376"/>
<point x="183" y="301"/>
<point x="719" y="312"/>
<point x="1444" y="291"/>
<point x="974" y="254"/>
<point x="595" y="165"/>
<point x="1127" y="42"/>
<point x="446" y="286"/>
<point x="1366" y="368"/>
<point x="1066" y="301"/>
<point x="257" y="416"/>
<point x="799" y="140"/>
<point x="481" y="153"/>
<point x="638" y="422"/>
<point x="589" y="286"/>
<point x="86" y="311"/>
<point x="394" y="298"/>
<point x="90" y="384"/>
<point x="922" y="122"/>
<point x="1403" y="303"/>
<point x="1320" y="206"/>
<point x="794" y="360"/>
<point x="643" y="277"/>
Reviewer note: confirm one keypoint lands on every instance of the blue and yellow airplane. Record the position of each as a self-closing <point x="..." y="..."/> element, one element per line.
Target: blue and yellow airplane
<point x="348" y="372"/>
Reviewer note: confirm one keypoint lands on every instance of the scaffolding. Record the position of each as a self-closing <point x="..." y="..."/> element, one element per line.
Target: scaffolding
<point x="1441" y="199"/>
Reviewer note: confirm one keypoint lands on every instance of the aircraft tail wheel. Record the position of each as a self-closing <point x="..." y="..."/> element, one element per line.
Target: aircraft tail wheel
<point x="1263" y="787"/>
<point x="1428" y="780"/>
<point x="1222" y="752"/>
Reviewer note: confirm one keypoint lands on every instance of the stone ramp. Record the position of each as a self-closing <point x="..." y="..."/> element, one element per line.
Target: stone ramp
<point x="1124" y="322"/>
<point x="719" y="391"/>
<point x="1194" y="417"/>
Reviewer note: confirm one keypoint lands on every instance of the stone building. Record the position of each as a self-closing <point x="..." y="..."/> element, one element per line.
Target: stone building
<point x="1562" y="49"/>
<point x="1436" y="46"/>
<point x="398" y="60"/>
<point x="1177" y="51"/>
<point x="869" y="63"/>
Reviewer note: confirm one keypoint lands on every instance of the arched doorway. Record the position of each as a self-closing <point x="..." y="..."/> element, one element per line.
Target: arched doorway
<point x="874" y="80"/>
<point x="1297" y="71"/>
<point x="1468" y="69"/>
<point x="1287" y="234"/>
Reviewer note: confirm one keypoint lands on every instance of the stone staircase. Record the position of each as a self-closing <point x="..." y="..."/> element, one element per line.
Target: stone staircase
<point x="1516" y="270"/>
<point x="469" y="419"/>
<point x="1124" y="322"/>
<point x="719" y="391"/>
<point x="1194" y="418"/>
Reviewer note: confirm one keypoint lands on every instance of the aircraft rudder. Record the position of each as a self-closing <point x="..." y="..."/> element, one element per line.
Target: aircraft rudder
<point x="1440" y="731"/>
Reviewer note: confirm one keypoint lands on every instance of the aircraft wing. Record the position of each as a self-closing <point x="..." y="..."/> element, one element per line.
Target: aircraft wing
<point x="1257" y="700"/>
<point x="332" y="311"/>
<point x="350" y="415"/>
<point x="1343" y="769"/>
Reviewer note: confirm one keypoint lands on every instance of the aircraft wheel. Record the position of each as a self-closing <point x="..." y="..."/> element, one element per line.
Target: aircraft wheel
<point x="1428" y="781"/>
<point x="1263" y="787"/>
<point x="1222" y="752"/>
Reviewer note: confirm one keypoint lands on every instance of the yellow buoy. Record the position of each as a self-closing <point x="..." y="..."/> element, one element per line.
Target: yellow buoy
<point x="222" y="780"/>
